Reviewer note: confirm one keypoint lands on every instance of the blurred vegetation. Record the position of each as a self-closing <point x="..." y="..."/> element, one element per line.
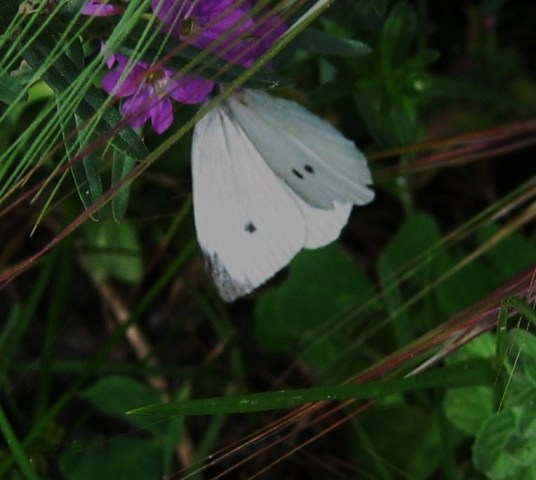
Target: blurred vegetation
<point x="437" y="272"/>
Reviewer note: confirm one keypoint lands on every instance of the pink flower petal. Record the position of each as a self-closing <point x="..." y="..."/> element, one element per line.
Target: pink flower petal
<point x="161" y="115"/>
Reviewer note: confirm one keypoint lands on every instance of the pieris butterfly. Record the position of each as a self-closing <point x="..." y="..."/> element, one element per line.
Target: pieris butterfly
<point x="269" y="178"/>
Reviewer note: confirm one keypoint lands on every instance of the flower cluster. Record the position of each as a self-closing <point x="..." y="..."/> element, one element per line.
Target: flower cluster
<point x="100" y="8"/>
<point x="224" y="27"/>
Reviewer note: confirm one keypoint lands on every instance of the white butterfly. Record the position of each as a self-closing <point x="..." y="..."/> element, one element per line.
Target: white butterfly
<point x="269" y="178"/>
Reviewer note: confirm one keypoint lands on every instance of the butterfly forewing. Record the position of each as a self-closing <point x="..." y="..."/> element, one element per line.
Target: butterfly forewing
<point x="247" y="224"/>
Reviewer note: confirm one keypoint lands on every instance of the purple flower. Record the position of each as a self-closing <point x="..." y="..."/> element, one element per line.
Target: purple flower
<point x="262" y="37"/>
<point x="100" y="8"/>
<point x="149" y="89"/>
<point x="225" y="27"/>
<point x="203" y="23"/>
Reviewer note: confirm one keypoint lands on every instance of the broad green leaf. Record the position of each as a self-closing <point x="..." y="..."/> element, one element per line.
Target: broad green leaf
<point x="407" y="265"/>
<point x="115" y="395"/>
<point x="113" y="251"/>
<point x="409" y="458"/>
<point x="325" y="281"/>
<point x="272" y="334"/>
<point x="469" y="408"/>
<point x="460" y="375"/>
<point x="468" y="284"/>
<point x="512" y="254"/>
<point x="505" y="447"/>
<point x="111" y="459"/>
<point x="523" y="342"/>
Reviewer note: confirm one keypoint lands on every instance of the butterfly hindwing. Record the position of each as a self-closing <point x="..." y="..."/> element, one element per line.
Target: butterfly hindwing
<point x="322" y="226"/>
<point x="312" y="157"/>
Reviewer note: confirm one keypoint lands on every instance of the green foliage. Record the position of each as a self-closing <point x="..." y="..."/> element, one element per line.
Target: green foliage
<point x="401" y="312"/>
<point x="113" y="251"/>
<point x="321" y="43"/>
<point x="326" y="281"/>
<point x="505" y="443"/>
<point x="129" y="457"/>
<point x="410" y="261"/>
<point x="468" y="408"/>
<point x="418" y="459"/>
<point x="138" y="456"/>
<point x="115" y="396"/>
<point x="10" y="89"/>
<point x="461" y="375"/>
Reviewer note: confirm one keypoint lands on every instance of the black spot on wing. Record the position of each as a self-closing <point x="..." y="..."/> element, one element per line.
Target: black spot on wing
<point x="250" y="227"/>
<point x="307" y="169"/>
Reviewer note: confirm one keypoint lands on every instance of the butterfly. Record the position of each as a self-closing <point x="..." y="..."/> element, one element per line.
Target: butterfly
<point x="269" y="178"/>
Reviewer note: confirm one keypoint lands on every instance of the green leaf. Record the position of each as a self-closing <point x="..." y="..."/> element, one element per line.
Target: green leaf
<point x="88" y="180"/>
<point x="469" y="408"/>
<point x="389" y="114"/>
<point x="397" y="35"/>
<point x="115" y="395"/>
<point x="468" y="284"/>
<point x="406" y="266"/>
<point x="271" y="333"/>
<point x="10" y="89"/>
<point x="85" y="171"/>
<point x="512" y="254"/>
<point x="113" y="251"/>
<point x="505" y="447"/>
<point x="410" y="459"/>
<point x="374" y="104"/>
<point x="111" y="459"/>
<point x="524" y="342"/>
<point x="505" y="259"/>
<point x="322" y="43"/>
<point x="469" y="373"/>
<point x="122" y="166"/>
<point x="325" y="281"/>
